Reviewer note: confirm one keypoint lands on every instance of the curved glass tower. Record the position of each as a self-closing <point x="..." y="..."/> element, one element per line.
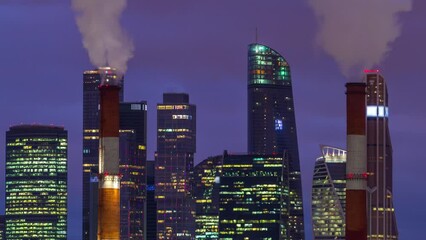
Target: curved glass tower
<point x="328" y="194"/>
<point x="272" y="123"/>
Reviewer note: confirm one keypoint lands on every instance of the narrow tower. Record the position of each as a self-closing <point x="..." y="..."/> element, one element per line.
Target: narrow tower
<point x="174" y="166"/>
<point x="381" y="212"/>
<point x="356" y="165"/>
<point x="109" y="176"/>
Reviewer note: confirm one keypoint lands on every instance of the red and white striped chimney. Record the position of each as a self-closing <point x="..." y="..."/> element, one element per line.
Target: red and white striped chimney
<point x="356" y="163"/>
<point x="109" y="173"/>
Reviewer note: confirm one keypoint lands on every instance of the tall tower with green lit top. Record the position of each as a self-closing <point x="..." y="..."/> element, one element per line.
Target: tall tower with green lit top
<point x="272" y="123"/>
<point x="36" y="182"/>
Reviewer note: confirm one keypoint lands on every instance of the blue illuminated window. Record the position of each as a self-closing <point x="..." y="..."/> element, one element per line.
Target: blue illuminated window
<point x="278" y="125"/>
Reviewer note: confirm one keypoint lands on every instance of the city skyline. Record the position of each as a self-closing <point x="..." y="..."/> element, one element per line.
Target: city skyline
<point x="54" y="62"/>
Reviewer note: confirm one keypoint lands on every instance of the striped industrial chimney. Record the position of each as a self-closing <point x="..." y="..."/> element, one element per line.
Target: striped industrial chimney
<point x="109" y="175"/>
<point x="356" y="164"/>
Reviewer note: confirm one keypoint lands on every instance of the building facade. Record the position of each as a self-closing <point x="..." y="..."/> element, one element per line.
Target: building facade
<point x="151" y="203"/>
<point x="380" y="212"/>
<point x="272" y="123"/>
<point x="176" y="131"/>
<point x="133" y="116"/>
<point x="206" y="193"/>
<point x="328" y="194"/>
<point x="254" y="197"/>
<point x="91" y="82"/>
<point x="36" y="182"/>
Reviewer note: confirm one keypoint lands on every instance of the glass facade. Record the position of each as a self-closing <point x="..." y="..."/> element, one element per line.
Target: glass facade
<point x="151" y="204"/>
<point x="329" y="194"/>
<point x="206" y="192"/>
<point x="381" y="212"/>
<point x="36" y="182"/>
<point x="254" y="197"/>
<point x="176" y="131"/>
<point x="272" y="123"/>
<point x="132" y="167"/>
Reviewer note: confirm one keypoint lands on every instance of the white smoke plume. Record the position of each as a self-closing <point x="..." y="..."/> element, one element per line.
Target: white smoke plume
<point x="358" y="33"/>
<point x="103" y="37"/>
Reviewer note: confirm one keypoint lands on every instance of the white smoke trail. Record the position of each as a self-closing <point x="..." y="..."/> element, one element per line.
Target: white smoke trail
<point x="103" y="37"/>
<point x="358" y="33"/>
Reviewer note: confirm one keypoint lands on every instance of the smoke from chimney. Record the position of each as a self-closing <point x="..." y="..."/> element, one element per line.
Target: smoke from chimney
<point x="358" y="33"/>
<point x="103" y="37"/>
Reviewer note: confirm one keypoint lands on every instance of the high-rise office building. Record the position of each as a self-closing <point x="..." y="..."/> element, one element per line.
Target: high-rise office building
<point x="132" y="167"/>
<point x="380" y="211"/>
<point x="151" y="203"/>
<point x="254" y="197"/>
<point x="271" y="120"/>
<point x="206" y="193"/>
<point x="91" y="82"/>
<point x="328" y="194"/>
<point x="174" y="163"/>
<point x="2" y="228"/>
<point x="36" y="182"/>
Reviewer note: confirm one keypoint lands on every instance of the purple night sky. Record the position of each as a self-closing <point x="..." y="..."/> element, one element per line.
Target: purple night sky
<point x="200" y="47"/>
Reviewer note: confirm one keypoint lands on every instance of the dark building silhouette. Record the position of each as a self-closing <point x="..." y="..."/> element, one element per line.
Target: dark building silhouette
<point x="271" y="121"/>
<point x="381" y="212"/>
<point x="133" y="141"/>
<point x="151" y="204"/>
<point x="328" y="194"/>
<point x="206" y="193"/>
<point x="91" y="81"/>
<point x="174" y="163"/>
<point x="254" y="197"/>
<point x="36" y="182"/>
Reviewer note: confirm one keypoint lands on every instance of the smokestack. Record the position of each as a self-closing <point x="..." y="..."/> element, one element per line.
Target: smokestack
<point x="356" y="164"/>
<point x="109" y="175"/>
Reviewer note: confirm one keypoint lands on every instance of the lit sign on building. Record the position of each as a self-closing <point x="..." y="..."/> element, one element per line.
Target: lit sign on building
<point x="278" y="124"/>
<point x="377" y="111"/>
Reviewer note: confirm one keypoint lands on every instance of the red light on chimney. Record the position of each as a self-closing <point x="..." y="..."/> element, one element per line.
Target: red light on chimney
<point x="371" y="71"/>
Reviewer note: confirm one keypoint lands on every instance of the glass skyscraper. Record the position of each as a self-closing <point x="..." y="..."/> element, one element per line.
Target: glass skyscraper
<point x="271" y="121"/>
<point x="254" y="197"/>
<point x="132" y="167"/>
<point x="36" y="182"/>
<point x="381" y="212"/>
<point x="206" y="192"/>
<point x="174" y="166"/>
<point x="329" y="195"/>
<point x="151" y="203"/>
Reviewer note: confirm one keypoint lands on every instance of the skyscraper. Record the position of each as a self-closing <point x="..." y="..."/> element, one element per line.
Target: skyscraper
<point x="132" y="167"/>
<point x="176" y="131"/>
<point x="381" y="212"/>
<point x="151" y="203"/>
<point x="36" y="182"/>
<point x="91" y="81"/>
<point x="271" y="120"/>
<point x="254" y="197"/>
<point x="328" y="194"/>
<point x="206" y="193"/>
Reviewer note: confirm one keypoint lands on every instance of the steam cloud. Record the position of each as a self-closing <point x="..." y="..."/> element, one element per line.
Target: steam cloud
<point x="358" y="33"/>
<point x="103" y="37"/>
